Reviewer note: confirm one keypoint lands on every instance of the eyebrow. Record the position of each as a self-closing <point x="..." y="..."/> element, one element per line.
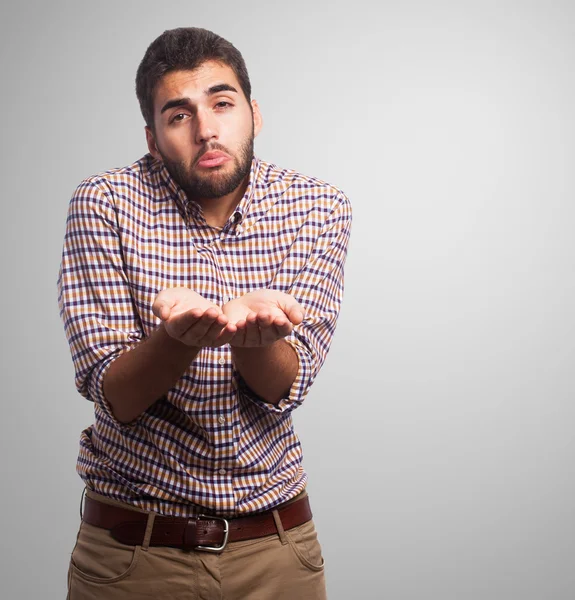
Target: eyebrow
<point x="221" y="87"/>
<point x="215" y="89"/>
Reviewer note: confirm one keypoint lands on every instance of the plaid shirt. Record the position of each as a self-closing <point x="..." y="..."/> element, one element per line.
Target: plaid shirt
<point x="210" y="442"/>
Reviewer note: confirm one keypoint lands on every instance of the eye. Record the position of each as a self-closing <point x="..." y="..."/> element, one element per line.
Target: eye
<point x="223" y="104"/>
<point x="179" y="117"/>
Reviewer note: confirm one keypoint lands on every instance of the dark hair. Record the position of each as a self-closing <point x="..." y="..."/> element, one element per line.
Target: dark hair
<point x="185" y="48"/>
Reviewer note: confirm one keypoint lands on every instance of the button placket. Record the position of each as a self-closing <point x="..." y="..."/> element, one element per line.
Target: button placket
<point x="227" y="277"/>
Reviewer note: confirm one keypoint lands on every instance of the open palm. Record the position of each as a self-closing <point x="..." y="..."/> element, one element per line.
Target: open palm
<point x="191" y="319"/>
<point x="262" y="317"/>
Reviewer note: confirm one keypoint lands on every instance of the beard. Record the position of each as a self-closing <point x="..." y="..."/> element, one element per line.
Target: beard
<point x="214" y="183"/>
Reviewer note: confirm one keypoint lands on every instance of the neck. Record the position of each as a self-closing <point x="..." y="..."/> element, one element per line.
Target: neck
<point x="217" y="211"/>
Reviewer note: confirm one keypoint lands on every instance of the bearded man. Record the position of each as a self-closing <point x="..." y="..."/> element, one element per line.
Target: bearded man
<point x="199" y="289"/>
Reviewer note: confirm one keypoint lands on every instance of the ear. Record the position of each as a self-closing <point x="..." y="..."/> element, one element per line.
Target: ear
<point x="152" y="147"/>
<point x="258" y="119"/>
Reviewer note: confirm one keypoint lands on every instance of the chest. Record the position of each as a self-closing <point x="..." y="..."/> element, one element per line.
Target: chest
<point x="164" y="251"/>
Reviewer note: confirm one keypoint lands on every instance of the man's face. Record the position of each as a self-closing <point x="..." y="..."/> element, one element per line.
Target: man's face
<point x="204" y="130"/>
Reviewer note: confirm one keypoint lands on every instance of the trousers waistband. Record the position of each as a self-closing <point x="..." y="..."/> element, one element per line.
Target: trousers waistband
<point x="200" y="532"/>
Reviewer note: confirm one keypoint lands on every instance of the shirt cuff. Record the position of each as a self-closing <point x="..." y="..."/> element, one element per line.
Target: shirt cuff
<point x="299" y="387"/>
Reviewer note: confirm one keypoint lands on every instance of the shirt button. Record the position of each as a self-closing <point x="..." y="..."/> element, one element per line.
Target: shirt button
<point x="226" y="299"/>
<point x="222" y="471"/>
<point x="221" y="420"/>
<point x="222" y="361"/>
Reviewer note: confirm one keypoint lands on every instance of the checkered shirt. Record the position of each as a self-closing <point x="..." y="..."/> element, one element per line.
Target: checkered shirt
<point x="210" y="443"/>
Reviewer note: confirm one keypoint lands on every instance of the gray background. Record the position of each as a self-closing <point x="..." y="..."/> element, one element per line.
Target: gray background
<point x="438" y="437"/>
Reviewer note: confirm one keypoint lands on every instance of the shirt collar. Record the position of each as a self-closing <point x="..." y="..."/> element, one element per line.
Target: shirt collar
<point x="158" y="168"/>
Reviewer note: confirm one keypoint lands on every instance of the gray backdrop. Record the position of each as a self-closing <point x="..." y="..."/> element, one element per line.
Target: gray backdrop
<point x="438" y="437"/>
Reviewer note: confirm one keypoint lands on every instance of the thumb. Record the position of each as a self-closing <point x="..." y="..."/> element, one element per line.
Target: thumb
<point x="163" y="304"/>
<point x="293" y="310"/>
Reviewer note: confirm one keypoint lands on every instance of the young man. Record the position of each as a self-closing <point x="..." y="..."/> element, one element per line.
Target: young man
<point x="199" y="289"/>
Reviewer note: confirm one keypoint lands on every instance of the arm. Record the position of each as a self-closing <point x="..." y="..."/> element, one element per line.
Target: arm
<point x="116" y="366"/>
<point x="266" y="362"/>
<point x="136" y="379"/>
<point x="268" y="370"/>
<point x="281" y="372"/>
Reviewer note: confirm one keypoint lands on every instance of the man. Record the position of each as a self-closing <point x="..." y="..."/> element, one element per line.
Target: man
<point x="199" y="289"/>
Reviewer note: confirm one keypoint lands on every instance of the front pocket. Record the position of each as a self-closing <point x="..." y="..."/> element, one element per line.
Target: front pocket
<point x="303" y="541"/>
<point x="99" y="558"/>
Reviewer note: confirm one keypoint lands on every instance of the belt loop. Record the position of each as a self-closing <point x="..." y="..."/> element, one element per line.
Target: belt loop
<point x="82" y="504"/>
<point x="148" y="534"/>
<point x="279" y="527"/>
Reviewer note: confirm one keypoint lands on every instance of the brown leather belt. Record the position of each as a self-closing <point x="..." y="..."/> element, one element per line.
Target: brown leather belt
<point x="201" y="532"/>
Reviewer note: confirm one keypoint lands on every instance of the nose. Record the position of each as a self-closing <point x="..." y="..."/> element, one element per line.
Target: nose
<point x="206" y="127"/>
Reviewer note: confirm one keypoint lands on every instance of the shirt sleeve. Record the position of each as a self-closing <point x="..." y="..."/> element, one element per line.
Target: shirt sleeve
<point x="94" y="297"/>
<point x="318" y="287"/>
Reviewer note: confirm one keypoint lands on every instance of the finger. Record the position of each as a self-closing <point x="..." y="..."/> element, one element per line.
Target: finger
<point x="252" y="332"/>
<point x="162" y="306"/>
<point x="210" y="315"/>
<point x="212" y="334"/>
<point x="198" y="330"/>
<point x="281" y="320"/>
<point x="264" y="318"/>
<point x="293" y="310"/>
<point x="283" y="330"/>
<point x="214" y="311"/>
<point x="177" y="326"/>
<point x="247" y="321"/>
<point x="220" y="322"/>
<point x="269" y="335"/>
<point x="164" y="312"/>
<point x="295" y="314"/>
<point x="226" y="335"/>
<point x="239" y="338"/>
<point x="235" y="311"/>
<point x="167" y="300"/>
<point x="242" y="328"/>
<point x="195" y="314"/>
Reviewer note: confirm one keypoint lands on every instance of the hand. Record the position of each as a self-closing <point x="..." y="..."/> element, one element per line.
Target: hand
<point x="191" y="319"/>
<point x="263" y="317"/>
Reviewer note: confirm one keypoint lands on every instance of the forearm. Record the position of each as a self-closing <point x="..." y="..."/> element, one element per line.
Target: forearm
<point x="268" y="370"/>
<point x="137" y="378"/>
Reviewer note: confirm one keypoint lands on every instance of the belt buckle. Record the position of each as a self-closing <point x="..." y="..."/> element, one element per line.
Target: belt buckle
<point x="226" y="533"/>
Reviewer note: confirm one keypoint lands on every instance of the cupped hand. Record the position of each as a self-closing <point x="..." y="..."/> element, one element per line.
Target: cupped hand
<point x="191" y="319"/>
<point x="263" y="317"/>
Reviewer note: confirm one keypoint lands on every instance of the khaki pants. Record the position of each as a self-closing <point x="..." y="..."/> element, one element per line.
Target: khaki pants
<point x="284" y="566"/>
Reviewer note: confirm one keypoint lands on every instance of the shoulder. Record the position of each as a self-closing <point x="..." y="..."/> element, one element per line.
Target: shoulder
<point x="293" y="186"/>
<point x="113" y="184"/>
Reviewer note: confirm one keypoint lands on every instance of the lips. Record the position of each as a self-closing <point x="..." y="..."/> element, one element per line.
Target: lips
<point x="213" y="158"/>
